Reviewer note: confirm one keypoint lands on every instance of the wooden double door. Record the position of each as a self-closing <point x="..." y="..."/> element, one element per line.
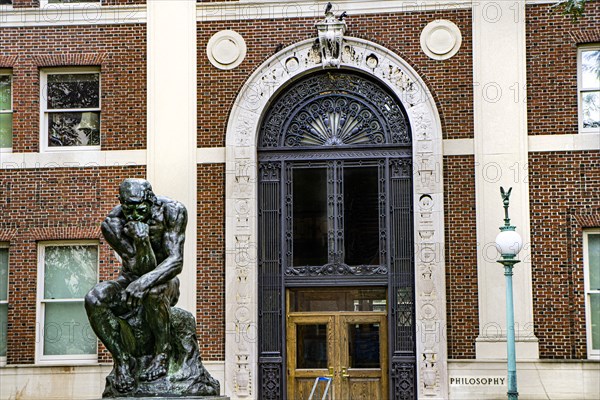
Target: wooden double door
<point x="349" y="347"/>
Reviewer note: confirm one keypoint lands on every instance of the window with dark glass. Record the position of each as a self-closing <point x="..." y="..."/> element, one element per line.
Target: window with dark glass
<point x="71" y="110"/>
<point x="336" y="214"/>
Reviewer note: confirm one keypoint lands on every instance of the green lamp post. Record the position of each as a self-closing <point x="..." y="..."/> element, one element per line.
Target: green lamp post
<point x="509" y="243"/>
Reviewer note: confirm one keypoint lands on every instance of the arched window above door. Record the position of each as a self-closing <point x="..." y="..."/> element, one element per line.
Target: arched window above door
<point x="332" y="109"/>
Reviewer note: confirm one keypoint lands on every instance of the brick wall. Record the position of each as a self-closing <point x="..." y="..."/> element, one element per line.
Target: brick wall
<point x="119" y="50"/>
<point x="461" y="256"/>
<point x="564" y="192"/>
<point x="450" y="80"/>
<point x="211" y="261"/>
<point x="51" y="204"/>
<point x="552" y="41"/>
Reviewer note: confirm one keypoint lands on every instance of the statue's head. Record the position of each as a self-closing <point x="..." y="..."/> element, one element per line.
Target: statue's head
<point x="136" y="197"/>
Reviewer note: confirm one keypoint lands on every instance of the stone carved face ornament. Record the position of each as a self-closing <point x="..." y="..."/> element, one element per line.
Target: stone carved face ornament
<point x="331" y="35"/>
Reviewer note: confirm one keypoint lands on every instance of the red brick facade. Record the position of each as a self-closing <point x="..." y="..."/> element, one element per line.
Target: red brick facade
<point x="461" y="256"/>
<point x="564" y="192"/>
<point x="449" y="80"/>
<point x="119" y="51"/>
<point x="552" y="41"/>
<point x="211" y="261"/>
<point x="50" y="204"/>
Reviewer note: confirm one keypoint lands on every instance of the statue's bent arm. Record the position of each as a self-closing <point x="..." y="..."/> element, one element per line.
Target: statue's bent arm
<point x="173" y="244"/>
<point x="112" y="229"/>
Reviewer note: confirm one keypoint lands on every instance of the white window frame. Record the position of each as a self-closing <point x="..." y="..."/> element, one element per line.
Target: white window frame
<point x="44" y="111"/>
<point x="581" y="89"/>
<point x="5" y="246"/>
<point x="4" y="7"/>
<point x="46" y="5"/>
<point x="593" y="354"/>
<point x="7" y="71"/>
<point x="40" y="358"/>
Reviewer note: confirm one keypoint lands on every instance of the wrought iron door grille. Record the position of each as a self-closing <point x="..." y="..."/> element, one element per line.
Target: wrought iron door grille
<point x="341" y="130"/>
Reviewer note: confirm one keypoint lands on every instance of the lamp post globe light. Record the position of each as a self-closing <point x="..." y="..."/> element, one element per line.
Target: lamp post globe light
<point x="509" y="243"/>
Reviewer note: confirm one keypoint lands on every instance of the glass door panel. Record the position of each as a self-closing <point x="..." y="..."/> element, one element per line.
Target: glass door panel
<point x="363" y="357"/>
<point x="310" y="350"/>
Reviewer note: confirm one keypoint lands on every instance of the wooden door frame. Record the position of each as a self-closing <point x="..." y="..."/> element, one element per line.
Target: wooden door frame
<point x="336" y="352"/>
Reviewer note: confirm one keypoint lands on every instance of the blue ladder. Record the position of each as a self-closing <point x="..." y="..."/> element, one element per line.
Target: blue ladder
<point x="317" y="380"/>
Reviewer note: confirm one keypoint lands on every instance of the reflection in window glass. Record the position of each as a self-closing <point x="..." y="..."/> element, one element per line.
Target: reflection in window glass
<point x="69" y="273"/>
<point x="311" y="343"/>
<point x="3" y="299"/>
<point x="5" y="110"/>
<point x="363" y="345"/>
<point x="589" y="86"/>
<point x="72" y="109"/>
<point x="361" y="216"/>
<point x="310" y="216"/>
<point x="593" y="288"/>
<point x="338" y="299"/>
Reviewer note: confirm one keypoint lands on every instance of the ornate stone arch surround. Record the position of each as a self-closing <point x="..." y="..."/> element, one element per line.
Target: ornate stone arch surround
<point x="241" y="373"/>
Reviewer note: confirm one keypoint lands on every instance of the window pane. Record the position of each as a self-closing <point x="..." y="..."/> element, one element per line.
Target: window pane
<point x="363" y="345"/>
<point x="69" y="271"/>
<point x="590" y="69"/>
<point x="338" y="299"/>
<point x="67" y="330"/>
<point x="3" y="274"/>
<point x="5" y="130"/>
<point x="5" y="2"/>
<point x="590" y="102"/>
<point x="74" y="129"/>
<point x="73" y="1"/>
<point x="311" y="351"/>
<point x="361" y="216"/>
<point x="594" y="261"/>
<point x="310" y="216"/>
<point x="595" y="313"/>
<point x="5" y="92"/>
<point x="73" y="91"/>
<point x="3" y="328"/>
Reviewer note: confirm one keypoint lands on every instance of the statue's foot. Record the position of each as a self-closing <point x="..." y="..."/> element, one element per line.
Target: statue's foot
<point x="124" y="382"/>
<point x="157" y="368"/>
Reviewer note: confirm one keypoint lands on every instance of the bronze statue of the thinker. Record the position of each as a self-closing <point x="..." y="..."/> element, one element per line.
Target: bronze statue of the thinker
<point x="153" y="344"/>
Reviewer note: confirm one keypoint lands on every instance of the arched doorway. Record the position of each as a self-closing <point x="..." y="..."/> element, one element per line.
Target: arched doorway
<point x="336" y="271"/>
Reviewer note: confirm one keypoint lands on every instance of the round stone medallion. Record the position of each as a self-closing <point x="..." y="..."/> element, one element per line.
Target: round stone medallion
<point x="226" y="49"/>
<point x="441" y="39"/>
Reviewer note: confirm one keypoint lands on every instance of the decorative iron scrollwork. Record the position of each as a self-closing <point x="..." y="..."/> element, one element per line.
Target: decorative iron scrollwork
<point x="271" y="381"/>
<point x="403" y="381"/>
<point x="401" y="168"/>
<point x="332" y="110"/>
<point x="337" y="269"/>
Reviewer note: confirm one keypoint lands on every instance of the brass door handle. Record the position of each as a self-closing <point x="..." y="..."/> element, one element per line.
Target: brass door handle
<point x="345" y="374"/>
<point x="330" y="372"/>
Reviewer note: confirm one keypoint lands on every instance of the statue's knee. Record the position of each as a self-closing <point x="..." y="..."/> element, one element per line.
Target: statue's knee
<point x="98" y="296"/>
<point x="92" y="300"/>
<point x="156" y="296"/>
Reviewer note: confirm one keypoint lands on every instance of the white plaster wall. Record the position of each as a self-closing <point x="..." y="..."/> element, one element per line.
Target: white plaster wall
<point x="542" y="379"/>
<point x="66" y="382"/>
<point x="501" y="149"/>
<point x="172" y="132"/>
